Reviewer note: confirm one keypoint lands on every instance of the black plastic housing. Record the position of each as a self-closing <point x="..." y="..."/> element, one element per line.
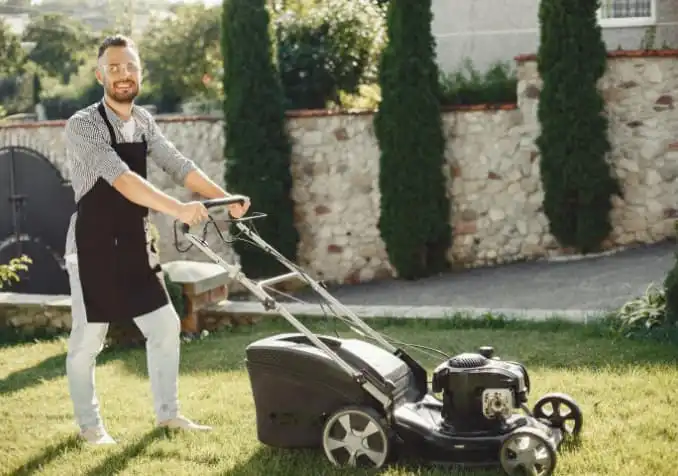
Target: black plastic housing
<point x="296" y="386"/>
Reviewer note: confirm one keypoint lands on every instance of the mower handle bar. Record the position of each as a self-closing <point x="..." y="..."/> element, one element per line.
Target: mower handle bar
<point x="269" y="303"/>
<point x="217" y="203"/>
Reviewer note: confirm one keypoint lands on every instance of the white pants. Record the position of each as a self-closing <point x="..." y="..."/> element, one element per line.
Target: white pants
<point x="162" y="331"/>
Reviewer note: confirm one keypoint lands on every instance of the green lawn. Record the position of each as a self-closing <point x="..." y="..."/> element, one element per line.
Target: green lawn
<point x="626" y="389"/>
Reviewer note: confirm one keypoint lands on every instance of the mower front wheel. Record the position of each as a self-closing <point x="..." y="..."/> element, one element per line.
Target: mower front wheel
<point x="357" y="436"/>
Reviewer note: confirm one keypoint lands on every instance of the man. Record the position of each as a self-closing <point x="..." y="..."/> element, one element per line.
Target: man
<point x="109" y="255"/>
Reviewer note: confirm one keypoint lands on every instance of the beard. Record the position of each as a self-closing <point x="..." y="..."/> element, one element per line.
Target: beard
<point x="123" y="91"/>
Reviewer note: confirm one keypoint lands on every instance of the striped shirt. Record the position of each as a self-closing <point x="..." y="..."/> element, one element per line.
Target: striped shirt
<point x="90" y="155"/>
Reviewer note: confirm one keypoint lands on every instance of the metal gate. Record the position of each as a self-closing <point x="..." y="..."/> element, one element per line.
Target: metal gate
<point x="36" y="204"/>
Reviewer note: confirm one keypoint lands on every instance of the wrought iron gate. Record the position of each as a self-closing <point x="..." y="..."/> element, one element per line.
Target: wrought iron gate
<point x="36" y="204"/>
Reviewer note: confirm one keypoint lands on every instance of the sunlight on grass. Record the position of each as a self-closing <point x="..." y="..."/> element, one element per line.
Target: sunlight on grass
<point x="626" y="389"/>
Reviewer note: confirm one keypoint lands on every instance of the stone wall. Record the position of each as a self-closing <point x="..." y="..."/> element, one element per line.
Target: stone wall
<point x="497" y="189"/>
<point x="22" y="316"/>
<point x="492" y="167"/>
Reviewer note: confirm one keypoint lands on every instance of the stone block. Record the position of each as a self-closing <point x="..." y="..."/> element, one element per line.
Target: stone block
<point x="202" y="284"/>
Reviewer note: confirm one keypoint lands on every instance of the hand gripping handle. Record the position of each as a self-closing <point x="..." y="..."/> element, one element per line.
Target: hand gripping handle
<point x="217" y="203"/>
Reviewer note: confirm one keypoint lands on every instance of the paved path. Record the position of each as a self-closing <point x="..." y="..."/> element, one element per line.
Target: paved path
<point x="590" y="284"/>
<point x="576" y="290"/>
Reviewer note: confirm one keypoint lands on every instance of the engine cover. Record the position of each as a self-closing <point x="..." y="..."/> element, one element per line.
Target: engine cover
<point x="479" y="393"/>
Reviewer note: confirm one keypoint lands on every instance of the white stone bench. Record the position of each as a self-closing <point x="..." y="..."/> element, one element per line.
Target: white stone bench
<point x="202" y="284"/>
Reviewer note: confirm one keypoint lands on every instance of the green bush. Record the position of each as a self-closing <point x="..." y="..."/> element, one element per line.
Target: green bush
<point x="258" y="150"/>
<point x="176" y="294"/>
<point x="644" y="312"/>
<point x="468" y="86"/>
<point x="64" y="101"/>
<point x="18" y="92"/>
<point x="415" y="209"/>
<point x="650" y="316"/>
<point x="331" y="47"/>
<point x="61" y="101"/>
<point x="10" y="272"/>
<point x="573" y="142"/>
<point x="653" y="315"/>
<point x="671" y="294"/>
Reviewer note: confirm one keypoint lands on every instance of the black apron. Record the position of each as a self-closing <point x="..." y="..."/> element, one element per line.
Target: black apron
<point x="118" y="282"/>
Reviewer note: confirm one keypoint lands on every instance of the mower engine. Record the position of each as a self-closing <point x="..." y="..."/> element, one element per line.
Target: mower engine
<point x="480" y="393"/>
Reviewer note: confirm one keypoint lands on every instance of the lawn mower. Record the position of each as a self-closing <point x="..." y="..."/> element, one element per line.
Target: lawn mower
<point x="367" y="403"/>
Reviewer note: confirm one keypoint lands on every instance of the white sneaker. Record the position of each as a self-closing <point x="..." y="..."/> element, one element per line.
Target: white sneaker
<point x="97" y="436"/>
<point x="183" y="423"/>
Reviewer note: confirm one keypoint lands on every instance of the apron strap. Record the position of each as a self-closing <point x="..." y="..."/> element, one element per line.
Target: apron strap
<point x="102" y="111"/>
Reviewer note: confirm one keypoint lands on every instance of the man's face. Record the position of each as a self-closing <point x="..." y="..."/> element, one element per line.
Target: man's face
<point x="119" y="71"/>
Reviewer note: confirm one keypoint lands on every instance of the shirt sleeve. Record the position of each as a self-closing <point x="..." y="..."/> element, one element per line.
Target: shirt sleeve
<point x="89" y="147"/>
<point x="166" y="155"/>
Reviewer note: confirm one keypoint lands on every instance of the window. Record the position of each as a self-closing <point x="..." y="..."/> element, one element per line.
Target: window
<point x="621" y="13"/>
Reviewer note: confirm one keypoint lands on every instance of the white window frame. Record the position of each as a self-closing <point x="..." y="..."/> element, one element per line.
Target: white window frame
<point x="631" y="21"/>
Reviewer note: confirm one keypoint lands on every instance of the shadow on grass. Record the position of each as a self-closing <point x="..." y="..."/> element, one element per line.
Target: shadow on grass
<point x="49" y="369"/>
<point x="115" y="463"/>
<point x="118" y="461"/>
<point x="49" y="454"/>
<point x="550" y="345"/>
<point x="10" y="337"/>
<point x="267" y="460"/>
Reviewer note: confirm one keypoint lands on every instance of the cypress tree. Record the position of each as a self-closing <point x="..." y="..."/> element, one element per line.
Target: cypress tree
<point x="577" y="180"/>
<point x="415" y="210"/>
<point x="671" y="294"/>
<point x="258" y="150"/>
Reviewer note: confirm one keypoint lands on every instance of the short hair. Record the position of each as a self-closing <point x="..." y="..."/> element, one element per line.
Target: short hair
<point x="115" y="40"/>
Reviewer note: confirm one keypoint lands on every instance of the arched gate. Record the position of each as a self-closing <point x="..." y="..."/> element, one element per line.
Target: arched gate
<point x="36" y="204"/>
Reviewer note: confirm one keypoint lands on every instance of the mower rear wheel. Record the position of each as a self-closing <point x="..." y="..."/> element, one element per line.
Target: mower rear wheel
<point x="560" y="411"/>
<point x="357" y="436"/>
<point x="526" y="451"/>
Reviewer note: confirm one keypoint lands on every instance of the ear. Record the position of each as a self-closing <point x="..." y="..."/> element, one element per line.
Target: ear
<point x="97" y="73"/>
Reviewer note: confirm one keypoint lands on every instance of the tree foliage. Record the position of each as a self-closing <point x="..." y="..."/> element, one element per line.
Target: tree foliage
<point x="62" y="45"/>
<point x="12" y="56"/>
<point x="15" y="7"/>
<point x="328" y="49"/>
<point x="573" y="142"/>
<point x="258" y="151"/>
<point x="180" y="51"/>
<point x="182" y="55"/>
<point x="414" y="221"/>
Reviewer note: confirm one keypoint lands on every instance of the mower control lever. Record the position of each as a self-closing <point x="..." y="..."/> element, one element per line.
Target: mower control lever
<point x="215" y="203"/>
